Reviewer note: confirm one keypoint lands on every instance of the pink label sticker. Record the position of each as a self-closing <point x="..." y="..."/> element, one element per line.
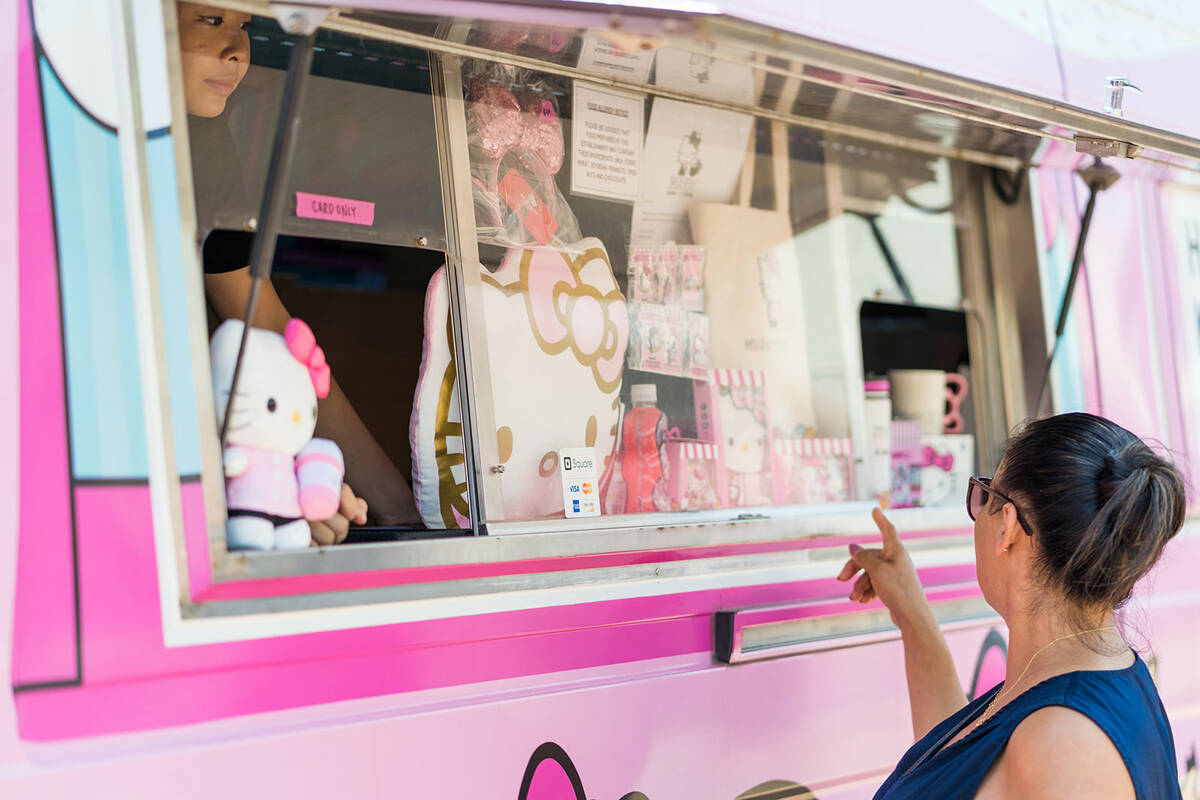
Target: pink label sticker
<point x="334" y="209"/>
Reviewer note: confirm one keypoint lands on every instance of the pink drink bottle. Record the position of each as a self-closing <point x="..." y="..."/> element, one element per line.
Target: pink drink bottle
<point x="643" y="452"/>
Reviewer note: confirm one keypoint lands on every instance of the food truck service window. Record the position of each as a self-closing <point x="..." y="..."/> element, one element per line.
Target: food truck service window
<point x="585" y="291"/>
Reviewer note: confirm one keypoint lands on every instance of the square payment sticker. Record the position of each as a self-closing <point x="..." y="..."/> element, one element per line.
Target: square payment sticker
<point x="580" y="481"/>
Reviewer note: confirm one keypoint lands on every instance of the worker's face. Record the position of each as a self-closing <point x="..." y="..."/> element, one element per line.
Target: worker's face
<point x="215" y="50"/>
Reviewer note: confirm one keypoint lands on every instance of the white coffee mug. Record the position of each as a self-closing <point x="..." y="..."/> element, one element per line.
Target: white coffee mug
<point x="923" y="394"/>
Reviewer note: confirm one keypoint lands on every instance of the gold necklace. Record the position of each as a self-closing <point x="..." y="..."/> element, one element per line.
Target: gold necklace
<point x="1028" y="664"/>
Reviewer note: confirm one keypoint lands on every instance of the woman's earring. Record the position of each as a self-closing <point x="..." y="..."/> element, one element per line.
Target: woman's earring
<point x="1006" y="549"/>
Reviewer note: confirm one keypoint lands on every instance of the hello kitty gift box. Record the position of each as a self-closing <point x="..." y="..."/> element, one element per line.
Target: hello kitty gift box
<point x="693" y="470"/>
<point x="731" y="412"/>
<point x="947" y="462"/>
<point x="813" y="471"/>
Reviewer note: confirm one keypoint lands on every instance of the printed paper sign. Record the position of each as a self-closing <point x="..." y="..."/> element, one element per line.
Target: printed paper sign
<point x="704" y="72"/>
<point x="580" y="481"/>
<point x="602" y="55"/>
<point x="606" y="143"/>
<point x="692" y="154"/>
<point x="334" y="209"/>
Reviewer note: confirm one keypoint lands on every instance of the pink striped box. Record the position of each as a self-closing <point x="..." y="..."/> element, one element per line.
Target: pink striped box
<point x="694" y="470"/>
<point x="812" y="471"/>
<point x="731" y="412"/>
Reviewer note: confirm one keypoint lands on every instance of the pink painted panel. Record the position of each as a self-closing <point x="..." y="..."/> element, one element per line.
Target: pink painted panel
<point x="44" y="626"/>
<point x="127" y="667"/>
<point x="1166" y="319"/>
<point x="9" y="364"/>
<point x="708" y="731"/>
<point x="1116" y="289"/>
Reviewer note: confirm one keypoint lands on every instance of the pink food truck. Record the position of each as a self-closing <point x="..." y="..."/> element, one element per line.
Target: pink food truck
<point x="618" y="319"/>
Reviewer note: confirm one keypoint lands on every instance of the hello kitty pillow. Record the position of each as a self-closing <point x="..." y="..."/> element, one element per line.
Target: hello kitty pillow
<point x="277" y="476"/>
<point x="556" y="332"/>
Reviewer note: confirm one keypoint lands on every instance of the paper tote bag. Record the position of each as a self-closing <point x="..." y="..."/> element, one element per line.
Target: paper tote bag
<point x="752" y="287"/>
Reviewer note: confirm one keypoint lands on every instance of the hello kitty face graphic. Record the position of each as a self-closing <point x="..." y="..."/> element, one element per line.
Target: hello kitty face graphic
<point x="700" y="67"/>
<point x="551" y="775"/>
<point x="745" y="441"/>
<point x="689" y="154"/>
<point x="556" y="330"/>
<point x="276" y="404"/>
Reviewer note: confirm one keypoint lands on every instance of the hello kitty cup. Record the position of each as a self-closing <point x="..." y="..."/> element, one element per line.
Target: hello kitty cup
<point x="929" y="396"/>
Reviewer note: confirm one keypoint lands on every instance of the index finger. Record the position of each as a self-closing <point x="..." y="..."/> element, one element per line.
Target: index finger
<point x="891" y="539"/>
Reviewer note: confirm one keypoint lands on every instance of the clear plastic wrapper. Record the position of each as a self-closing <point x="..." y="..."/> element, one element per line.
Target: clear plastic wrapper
<point x="516" y="142"/>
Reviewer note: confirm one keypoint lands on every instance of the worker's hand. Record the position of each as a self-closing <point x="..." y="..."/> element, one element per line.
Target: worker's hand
<point x="887" y="573"/>
<point x="334" y="530"/>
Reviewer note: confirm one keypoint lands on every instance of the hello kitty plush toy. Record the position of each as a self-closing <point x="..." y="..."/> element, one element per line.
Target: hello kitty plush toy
<point x="277" y="476"/>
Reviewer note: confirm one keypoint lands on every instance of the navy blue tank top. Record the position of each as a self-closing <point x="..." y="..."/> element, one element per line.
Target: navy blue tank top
<point x="1124" y="703"/>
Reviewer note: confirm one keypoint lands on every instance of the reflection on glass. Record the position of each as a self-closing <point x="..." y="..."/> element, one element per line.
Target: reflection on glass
<point x="670" y="288"/>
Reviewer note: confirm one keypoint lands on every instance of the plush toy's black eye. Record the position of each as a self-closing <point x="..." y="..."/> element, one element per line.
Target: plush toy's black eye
<point x="271" y="404"/>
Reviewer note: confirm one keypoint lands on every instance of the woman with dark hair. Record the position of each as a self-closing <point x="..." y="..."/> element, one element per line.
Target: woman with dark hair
<point x="1078" y="511"/>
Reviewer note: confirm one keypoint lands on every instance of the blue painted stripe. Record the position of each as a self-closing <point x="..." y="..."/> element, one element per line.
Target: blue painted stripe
<point x="108" y="437"/>
<point x="168" y="244"/>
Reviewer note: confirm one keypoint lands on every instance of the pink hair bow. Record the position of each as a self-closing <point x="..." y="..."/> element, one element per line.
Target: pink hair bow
<point x="930" y="458"/>
<point x="302" y="344"/>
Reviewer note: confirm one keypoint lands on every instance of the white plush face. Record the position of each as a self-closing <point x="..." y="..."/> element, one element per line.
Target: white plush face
<point x="745" y="440"/>
<point x="557" y="349"/>
<point x="276" y="405"/>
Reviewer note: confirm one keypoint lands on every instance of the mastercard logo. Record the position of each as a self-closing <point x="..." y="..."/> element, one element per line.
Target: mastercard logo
<point x="587" y="488"/>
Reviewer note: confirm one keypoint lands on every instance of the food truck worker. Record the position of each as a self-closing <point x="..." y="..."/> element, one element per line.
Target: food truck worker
<point x="215" y="53"/>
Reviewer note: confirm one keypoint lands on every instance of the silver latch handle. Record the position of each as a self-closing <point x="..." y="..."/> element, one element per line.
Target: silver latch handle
<point x="1116" y="95"/>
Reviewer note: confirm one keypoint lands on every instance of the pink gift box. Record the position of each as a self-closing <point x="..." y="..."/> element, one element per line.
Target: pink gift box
<point x="731" y="412"/>
<point x="811" y="471"/>
<point x="693" y="474"/>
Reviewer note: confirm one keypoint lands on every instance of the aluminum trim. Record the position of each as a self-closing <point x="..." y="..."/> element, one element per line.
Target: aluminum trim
<point x="754" y="38"/>
<point x="529" y="546"/>
<point x="462" y="272"/>
<point x="166" y="500"/>
<point x="782" y="566"/>
<point x="755" y="642"/>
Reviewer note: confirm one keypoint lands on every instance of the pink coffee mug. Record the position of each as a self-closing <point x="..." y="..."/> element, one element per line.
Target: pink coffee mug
<point x="956" y="392"/>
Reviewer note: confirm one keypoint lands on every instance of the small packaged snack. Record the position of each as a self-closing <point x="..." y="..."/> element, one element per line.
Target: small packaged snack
<point x="643" y="278"/>
<point x="666" y="268"/>
<point x="906" y="464"/>
<point x="657" y="338"/>
<point x="811" y="471"/>
<point x="691" y="282"/>
<point x="698" y="363"/>
<point x="694" y="471"/>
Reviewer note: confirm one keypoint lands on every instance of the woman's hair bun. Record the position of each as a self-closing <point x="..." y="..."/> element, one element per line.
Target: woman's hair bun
<point x="1102" y="504"/>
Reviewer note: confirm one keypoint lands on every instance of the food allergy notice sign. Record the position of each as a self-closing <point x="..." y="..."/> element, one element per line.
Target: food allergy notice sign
<point x="606" y="143"/>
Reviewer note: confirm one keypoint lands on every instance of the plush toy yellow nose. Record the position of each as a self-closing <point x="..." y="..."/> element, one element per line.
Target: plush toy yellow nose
<point x="296" y="416"/>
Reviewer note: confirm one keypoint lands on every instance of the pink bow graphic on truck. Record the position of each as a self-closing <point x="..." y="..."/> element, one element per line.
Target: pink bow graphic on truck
<point x="303" y="346"/>
<point x="930" y="458"/>
<point x="568" y="311"/>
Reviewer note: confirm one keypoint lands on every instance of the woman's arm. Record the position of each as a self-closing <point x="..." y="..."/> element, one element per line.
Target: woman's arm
<point x="368" y="469"/>
<point x="934" y="692"/>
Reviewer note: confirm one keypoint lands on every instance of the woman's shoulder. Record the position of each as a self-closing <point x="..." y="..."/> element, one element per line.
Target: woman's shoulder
<point x="1060" y="752"/>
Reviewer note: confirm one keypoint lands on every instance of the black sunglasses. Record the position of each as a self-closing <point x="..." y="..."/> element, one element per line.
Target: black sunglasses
<point x="978" y="489"/>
